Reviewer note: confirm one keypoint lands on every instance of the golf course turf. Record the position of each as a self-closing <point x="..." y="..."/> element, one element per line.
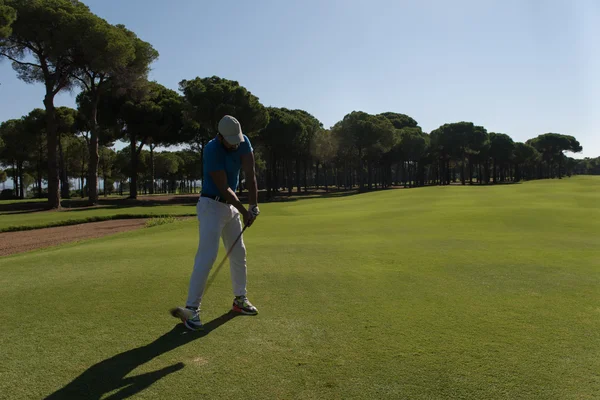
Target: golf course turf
<point x="482" y="292"/>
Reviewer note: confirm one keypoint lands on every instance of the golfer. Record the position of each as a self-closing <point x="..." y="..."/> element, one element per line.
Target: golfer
<point x="219" y="215"/>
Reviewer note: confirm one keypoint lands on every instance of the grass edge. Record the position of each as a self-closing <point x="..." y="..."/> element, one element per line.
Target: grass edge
<point x="78" y="221"/>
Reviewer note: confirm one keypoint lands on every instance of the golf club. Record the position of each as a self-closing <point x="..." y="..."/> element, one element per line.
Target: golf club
<point x="174" y="311"/>
<point x="213" y="276"/>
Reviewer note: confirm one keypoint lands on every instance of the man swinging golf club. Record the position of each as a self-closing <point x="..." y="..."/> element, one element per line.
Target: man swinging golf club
<point x="219" y="212"/>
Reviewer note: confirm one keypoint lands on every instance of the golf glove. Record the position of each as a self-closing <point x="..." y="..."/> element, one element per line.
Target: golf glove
<point x="254" y="210"/>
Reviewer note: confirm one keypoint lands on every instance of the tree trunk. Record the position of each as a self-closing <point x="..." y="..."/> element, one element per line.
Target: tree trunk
<point x="21" y="188"/>
<point x="305" y="175"/>
<point x="15" y="179"/>
<point x="298" y="176"/>
<point x="470" y="172"/>
<point x="275" y="176"/>
<point x="21" y="194"/>
<point x="280" y="180"/>
<point x="289" y="177"/>
<point x="317" y="175"/>
<point x="39" y="175"/>
<point x="375" y="179"/>
<point x="52" y="139"/>
<point x="92" y="181"/>
<point x="83" y="172"/>
<point x="277" y="184"/>
<point x="335" y="181"/>
<point x="462" y="172"/>
<point x="336" y="177"/>
<point x="104" y="177"/>
<point x="64" y="177"/>
<point x="269" y="176"/>
<point x="560" y="168"/>
<point x="134" y="164"/>
<point x="361" y="175"/>
<point x="92" y="178"/>
<point x="152" y="168"/>
<point x="326" y="178"/>
<point x="369" y="175"/>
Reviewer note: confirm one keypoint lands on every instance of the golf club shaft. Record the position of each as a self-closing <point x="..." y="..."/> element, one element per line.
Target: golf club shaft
<point x="212" y="278"/>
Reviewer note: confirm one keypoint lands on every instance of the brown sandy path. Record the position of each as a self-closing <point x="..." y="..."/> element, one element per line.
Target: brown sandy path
<point x="18" y="242"/>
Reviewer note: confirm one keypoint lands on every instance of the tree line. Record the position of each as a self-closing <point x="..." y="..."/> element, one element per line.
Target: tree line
<point x="62" y="45"/>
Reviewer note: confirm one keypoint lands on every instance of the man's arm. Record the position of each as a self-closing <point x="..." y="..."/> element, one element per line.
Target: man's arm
<point x="220" y="179"/>
<point x="250" y="173"/>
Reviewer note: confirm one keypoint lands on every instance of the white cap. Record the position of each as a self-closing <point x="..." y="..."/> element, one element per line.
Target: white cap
<point x="231" y="130"/>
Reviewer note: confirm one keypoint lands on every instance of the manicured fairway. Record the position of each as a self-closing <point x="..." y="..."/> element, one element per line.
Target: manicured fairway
<point x="432" y="293"/>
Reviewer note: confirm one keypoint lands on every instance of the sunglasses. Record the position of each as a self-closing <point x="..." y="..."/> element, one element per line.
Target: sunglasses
<point x="227" y="144"/>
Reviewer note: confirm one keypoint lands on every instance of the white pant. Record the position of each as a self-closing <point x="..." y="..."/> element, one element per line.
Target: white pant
<point x="217" y="220"/>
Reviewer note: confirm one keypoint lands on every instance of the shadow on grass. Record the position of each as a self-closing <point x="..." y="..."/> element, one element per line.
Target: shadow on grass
<point x="283" y="197"/>
<point x="483" y="185"/>
<point x="21" y="212"/>
<point x="109" y="375"/>
<point x="75" y="205"/>
<point x="100" y="207"/>
<point x="24" y="207"/>
<point x="18" y="207"/>
<point x="72" y="205"/>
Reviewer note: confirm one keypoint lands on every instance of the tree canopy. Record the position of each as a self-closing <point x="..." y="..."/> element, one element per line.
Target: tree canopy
<point x="7" y="17"/>
<point x="64" y="46"/>
<point x="55" y="34"/>
<point x="209" y="99"/>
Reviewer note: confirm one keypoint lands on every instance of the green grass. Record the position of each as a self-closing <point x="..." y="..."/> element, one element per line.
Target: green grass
<point x="434" y="293"/>
<point x="44" y="219"/>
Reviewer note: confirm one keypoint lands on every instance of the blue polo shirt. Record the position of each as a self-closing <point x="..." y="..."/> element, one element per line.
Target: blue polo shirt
<point x="216" y="158"/>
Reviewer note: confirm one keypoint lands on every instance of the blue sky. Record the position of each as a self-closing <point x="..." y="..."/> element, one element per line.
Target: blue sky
<point x="517" y="67"/>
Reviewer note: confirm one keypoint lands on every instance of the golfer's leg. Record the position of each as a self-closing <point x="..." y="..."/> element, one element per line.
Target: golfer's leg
<point x="208" y="248"/>
<point x="237" y="259"/>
